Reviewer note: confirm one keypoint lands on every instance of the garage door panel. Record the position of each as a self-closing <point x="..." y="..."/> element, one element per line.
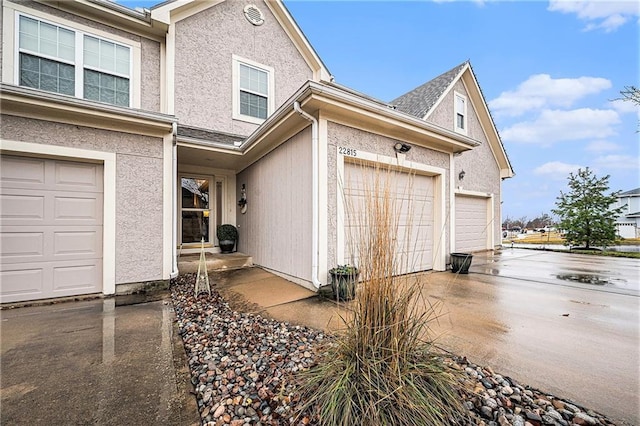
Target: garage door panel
<point x="22" y="283"/>
<point x="78" y="209"/>
<point x="22" y="172"/>
<point x="16" y="207"/>
<point x="18" y="245"/>
<point x="471" y="223"/>
<point x="51" y="215"/>
<point x="77" y="278"/>
<point x="412" y="209"/>
<point x="81" y="177"/>
<point x="77" y="243"/>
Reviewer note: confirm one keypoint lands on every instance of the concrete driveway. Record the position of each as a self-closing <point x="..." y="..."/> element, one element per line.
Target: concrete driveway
<point x="92" y="362"/>
<point x="571" y="338"/>
<point x="576" y="337"/>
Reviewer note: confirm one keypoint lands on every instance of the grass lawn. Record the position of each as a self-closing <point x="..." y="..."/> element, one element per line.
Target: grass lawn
<point x="551" y="238"/>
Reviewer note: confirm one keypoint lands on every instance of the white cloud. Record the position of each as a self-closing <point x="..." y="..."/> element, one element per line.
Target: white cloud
<point x="541" y="91"/>
<point x="608" y="15"/>
<point x="617" y="162"/>
<point x="602" y="146"/>
<point x="624" y="107"/>
<point x="555" y="126"/>
<point x="556" y="170"/>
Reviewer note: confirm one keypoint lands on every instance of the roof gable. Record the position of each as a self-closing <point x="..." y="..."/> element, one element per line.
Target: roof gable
<point x="172" y="11"/>
<point x="423" y="100"/>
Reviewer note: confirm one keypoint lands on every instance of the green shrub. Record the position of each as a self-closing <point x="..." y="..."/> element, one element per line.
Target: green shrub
<point x="227" y="232"/>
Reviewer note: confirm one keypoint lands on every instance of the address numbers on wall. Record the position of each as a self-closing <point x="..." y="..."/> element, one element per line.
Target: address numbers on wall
<point x="351" y="152"/>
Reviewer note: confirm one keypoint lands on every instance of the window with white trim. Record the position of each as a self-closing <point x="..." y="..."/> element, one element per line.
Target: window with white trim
<point x="71" y="62"/>
<point x="460" y="117"/>
<point x="253" y="99"/>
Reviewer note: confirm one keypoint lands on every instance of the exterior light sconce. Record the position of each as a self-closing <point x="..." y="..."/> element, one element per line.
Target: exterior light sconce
<point x="401" y="148"/>
<point x="461" y="175"/>
<point x="242" y="202"/>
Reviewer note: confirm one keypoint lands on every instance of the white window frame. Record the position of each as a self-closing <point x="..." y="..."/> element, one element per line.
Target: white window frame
<point x="465" y="118"/>
<point x="237" y="61"/>
<point x="78" y="63"/>
<point x="212" y="211"/>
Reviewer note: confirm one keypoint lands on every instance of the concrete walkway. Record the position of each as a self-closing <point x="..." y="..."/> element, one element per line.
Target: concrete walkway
<point x="92" y="362"/>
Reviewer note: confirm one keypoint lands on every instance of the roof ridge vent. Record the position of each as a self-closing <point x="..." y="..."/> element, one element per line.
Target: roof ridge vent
<point x="253" y="14"/>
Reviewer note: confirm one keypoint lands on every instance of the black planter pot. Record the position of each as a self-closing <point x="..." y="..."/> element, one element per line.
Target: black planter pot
<point x="226" y="246"/>
<point x="344" y="285"/>
<point x="460" y="262"/>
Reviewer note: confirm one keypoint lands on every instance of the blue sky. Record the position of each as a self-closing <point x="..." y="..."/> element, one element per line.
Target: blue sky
<point x="549" y="72"/>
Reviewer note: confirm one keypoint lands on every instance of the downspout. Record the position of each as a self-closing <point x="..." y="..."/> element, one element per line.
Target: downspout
<point x="174" y="202"/>
<point x="315" y="191"/>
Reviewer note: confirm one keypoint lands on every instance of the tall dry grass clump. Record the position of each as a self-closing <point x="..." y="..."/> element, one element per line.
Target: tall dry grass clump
<point x="382" y="369"/>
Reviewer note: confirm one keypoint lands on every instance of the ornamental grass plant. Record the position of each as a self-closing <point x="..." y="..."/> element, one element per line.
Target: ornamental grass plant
<point x="382" y="369"/>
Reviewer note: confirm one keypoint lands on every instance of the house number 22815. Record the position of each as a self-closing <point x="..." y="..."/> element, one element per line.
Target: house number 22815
<point x="347" y="151"/>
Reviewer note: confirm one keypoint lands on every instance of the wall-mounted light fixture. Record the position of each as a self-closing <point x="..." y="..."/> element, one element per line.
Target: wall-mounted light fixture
<point x="461" y="175"/>
<point x="242" y="202"/>
<point x="401" y="148"/>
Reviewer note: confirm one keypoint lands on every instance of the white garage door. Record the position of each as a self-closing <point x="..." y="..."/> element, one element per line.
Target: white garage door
<point x="471" y="223"/>
<point x="413" y="204"/>
<point x="50" y="228"/>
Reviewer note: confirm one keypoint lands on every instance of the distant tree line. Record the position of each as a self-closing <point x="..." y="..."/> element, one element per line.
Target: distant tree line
<point x="544" y="220"/>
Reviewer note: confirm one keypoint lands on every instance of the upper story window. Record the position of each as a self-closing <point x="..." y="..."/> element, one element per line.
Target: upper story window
<point x="253" y="98"/>
<point x="71" y="62"/>
<point x="460" y="111"/>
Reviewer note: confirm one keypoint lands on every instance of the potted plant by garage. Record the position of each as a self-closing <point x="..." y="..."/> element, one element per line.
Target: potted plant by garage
<point x="460" y="262"/>
<point x="343" y="281"/>
<point x="227" y="237"/>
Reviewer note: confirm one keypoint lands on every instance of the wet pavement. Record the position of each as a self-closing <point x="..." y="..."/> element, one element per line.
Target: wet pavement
<point x="600" y="273"/>
<point x="94" y="362"/>
<point x="564" y="323"/>
<point x="572" y="339"/>
<point x="99" y="362"/>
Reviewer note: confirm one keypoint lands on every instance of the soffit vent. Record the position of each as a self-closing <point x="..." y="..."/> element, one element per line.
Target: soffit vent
<point x="253" y="14"/>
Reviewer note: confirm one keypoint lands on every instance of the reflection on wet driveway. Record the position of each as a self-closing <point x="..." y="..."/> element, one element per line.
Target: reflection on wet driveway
<point x="610" y="274"/>
<point x="564" y="323"/>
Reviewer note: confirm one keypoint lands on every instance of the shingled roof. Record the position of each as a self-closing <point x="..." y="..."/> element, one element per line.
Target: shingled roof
<point x="631" y="192"/>
<point x="205" y="136"/>
<point x="420" y="100"/>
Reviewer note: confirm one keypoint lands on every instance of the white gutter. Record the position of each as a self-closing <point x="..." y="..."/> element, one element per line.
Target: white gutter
<point x="315" y="196"/>
<point x="174" y="203"/>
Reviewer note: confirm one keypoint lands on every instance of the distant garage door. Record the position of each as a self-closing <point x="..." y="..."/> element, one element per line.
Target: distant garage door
<point x="50" y="227"/>
<point x="413" y="200"/>
<point x="472" y="226"/>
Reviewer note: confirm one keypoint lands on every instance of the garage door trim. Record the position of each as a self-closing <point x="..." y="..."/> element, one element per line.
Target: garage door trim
<point x="108" y="160"/>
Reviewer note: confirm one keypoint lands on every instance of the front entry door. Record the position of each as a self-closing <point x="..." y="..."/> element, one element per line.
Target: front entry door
<point x="196" y="210"/>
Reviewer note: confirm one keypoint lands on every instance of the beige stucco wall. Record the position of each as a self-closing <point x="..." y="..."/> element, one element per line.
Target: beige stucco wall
<point x="149" y="52"/>
<point x="138" y="188"/>
<point x="342" y="135"/>
<point x="205" y="43"/>
<point x="277" y="228"/>
<point x="481" y="170"/>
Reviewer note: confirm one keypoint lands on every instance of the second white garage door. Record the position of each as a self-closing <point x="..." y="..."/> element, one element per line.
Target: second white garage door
<point x="412" y="197"/>
<point x="51" y="228"/>
<point x="472" y="225"/>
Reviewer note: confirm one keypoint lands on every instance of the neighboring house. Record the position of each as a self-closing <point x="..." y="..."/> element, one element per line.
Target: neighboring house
<point x="129" y="134"/>
<point x="628" y="222"/>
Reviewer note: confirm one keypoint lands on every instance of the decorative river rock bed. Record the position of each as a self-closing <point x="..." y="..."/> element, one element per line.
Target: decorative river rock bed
<point x="243" y="370"/>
